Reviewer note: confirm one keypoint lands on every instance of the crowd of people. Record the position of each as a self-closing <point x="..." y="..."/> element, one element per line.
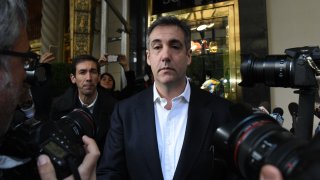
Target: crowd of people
<point x="163" y="132"/>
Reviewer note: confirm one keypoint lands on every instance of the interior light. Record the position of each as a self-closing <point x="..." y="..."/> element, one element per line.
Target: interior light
<point x="193" y="28"/>
<point x="210" y="25"/>
<point x="202" y="27"/>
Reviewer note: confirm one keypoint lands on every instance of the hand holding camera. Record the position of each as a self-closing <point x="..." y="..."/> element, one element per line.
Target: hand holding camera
<point x="86" y="169"/>
<point x="107" y="58"/>
<point x="65" y="141"/>
<point x="121" y="59"/>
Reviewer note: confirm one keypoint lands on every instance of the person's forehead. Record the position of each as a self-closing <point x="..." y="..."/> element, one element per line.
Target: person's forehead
<point x="167" y="31"/>
<point x="106" y="76"/>
<point x="86" y="64"/>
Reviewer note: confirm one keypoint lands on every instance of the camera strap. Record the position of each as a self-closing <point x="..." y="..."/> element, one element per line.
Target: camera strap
<point x="313" y="65"/>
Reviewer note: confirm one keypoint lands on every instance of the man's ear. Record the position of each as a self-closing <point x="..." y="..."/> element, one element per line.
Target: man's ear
<point x="72" y="78"/>
<point x="148" y="60"/>
<point x="189" y="55"/>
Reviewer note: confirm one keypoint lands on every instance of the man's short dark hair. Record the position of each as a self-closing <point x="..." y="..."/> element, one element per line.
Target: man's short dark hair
<point x="172" y="20"/>
<point x="81" y="58"/>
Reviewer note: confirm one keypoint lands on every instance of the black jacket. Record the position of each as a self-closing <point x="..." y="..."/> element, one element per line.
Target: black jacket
<point x="131" y="150"/>
<point x="101" y="113"/>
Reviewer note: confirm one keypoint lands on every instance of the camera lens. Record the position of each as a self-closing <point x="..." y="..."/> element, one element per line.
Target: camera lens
<point x="61" y="140"/>
<point x="273" y="71"/>
<point x="77" y="123"/>
<point x="64" y="144"/>
<point x="256" y="140"/>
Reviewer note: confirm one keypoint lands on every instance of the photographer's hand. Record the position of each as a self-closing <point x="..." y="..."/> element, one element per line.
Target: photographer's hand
<point x="269" y="172"/>
<point x="124" y="62"/>
<point x="87" y="169"/>
<point x="47" y="57"/>
<point x="45" y="168"/>
<point x="103" y="60"/>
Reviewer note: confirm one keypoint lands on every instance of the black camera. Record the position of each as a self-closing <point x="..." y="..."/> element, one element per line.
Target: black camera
<point x="252" y="139"/>
<point x="295" y="69"/>
<point x="36" y="72"/>
<point x="61" y="140"/>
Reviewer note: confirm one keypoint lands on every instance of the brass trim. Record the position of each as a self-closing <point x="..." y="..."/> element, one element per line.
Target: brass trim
<point x="81" y="35"/>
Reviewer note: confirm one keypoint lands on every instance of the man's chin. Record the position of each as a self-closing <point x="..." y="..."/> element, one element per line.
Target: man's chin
<point x="88" y="92"/>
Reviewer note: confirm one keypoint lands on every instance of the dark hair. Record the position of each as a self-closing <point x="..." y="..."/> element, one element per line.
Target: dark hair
<point x="172" y="20"/>
<point x="81" y="58"/>
<point x="114" y="82"/>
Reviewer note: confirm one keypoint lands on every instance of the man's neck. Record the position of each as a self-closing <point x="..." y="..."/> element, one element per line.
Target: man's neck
<point x="88" y="99"/>
<point x="169" y="92"/>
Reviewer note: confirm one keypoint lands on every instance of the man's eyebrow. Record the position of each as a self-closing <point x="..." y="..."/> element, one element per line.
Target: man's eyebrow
<point x="175" y="41"/>
<point x="170" y="41"/>
<point x="155" y="41"/>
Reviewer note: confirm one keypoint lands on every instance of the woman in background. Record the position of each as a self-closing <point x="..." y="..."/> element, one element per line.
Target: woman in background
<point x="107" y="81"/>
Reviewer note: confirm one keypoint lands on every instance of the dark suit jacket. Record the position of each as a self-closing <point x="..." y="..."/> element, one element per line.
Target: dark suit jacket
<point x="131" y="150"/>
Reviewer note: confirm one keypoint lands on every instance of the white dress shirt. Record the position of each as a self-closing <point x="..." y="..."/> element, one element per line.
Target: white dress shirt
<point x="171" y="126"/>
<point x="90" y="106"/>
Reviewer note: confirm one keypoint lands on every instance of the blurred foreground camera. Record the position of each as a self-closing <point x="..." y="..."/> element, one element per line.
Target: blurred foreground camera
<point x="254" y="139"/>
<point x="296" y="69"/>
<point x="61" y="140"/>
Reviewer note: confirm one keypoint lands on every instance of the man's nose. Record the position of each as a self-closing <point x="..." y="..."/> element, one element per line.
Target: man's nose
<point x="88" y="76"/>
<point x="165" y="54"/>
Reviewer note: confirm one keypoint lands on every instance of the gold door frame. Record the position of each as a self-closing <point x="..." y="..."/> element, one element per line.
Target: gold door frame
<point x="81" y="36"/>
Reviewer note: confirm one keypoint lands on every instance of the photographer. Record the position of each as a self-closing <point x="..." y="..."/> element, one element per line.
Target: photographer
<point x="14" y="55"/>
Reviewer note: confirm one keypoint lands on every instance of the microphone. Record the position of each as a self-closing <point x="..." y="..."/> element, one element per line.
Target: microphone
<point x="293" y="109"/>
<point x="278" y="110"/>
<point x="277" y="114"/>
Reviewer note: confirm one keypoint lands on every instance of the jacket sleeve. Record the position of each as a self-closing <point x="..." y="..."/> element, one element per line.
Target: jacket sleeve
<point x="112" y="164"/>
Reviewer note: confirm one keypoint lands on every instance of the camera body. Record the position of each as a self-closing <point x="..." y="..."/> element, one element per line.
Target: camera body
<point x="252" y="140"/>
<point x="112" y="58"/>
<point x="295" y="69"/>
<point x="61" y="140"/>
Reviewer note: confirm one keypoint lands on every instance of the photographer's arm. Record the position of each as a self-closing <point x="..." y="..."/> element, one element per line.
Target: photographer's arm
<point x="87" y="169"/>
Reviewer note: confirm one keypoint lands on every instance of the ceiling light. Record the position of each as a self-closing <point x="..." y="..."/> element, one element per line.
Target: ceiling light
<point x="202" y="27"/>
<point x="210" y="25"/>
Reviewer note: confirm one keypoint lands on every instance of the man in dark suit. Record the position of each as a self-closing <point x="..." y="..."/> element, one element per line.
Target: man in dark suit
<point x="85" y="76"/>
<point x="165" y="132"/>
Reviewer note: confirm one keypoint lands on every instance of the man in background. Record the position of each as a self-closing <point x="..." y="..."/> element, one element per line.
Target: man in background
<point x="84" y="93"/>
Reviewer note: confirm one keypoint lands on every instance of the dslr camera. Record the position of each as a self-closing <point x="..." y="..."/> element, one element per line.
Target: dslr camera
<point x="61" y="140"/>
<point x="296" y="69"/>
<point x="253" y="139"/>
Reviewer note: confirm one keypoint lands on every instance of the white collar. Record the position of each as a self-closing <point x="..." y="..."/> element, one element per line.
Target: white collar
<point x="90" y="105"/>
<point x="185" y="94"/>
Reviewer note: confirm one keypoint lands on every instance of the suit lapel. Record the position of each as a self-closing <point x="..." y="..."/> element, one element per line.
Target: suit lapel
<point x="149" y="146"/>
<point x="197" y="125"/>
